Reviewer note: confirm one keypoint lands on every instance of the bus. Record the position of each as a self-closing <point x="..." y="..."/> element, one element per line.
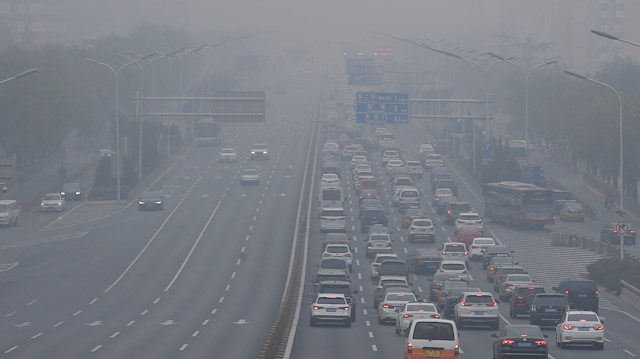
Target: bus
<point x="206" y="132"/>
<point x="519" y="204"/>
<point x="517" y="150"/>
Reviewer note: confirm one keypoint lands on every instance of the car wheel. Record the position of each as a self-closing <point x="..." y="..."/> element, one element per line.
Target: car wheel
<point x="347" y="323"/>
<point x="563" y="345"/>
<point x="496" y="324"/>
<point x="380" y="321"/>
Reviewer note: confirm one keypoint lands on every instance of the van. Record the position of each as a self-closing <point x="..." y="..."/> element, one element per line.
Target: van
<point x="9" y="210"/>
<point x="432" y="338"/>
<point x="330" y="197"/>
<point x="406" y="197"/>
<point x="393" y="267"/>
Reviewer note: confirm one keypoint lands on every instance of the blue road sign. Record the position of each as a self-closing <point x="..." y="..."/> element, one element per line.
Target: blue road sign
<point x="359" y="65"/>
<point x="382" y="107"/>
<point x="365" y="79"/>
<point x="487" y="152"/>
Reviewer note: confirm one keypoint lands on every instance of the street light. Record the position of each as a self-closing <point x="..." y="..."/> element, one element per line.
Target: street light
<point x="613" y="37"/>
<point x="620" y="175"/>
<point x="527" y="74"/>
<point x="116" y="73"/>
<point x="22" y="74"/>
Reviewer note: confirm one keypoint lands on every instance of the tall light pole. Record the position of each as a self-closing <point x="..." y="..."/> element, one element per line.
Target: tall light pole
<point x="527" y="74"/>
<point x="613" y="37"/>
<point x="115" y="74"/>
<point x="22" y="74"/>
<point x="620" y="175"/>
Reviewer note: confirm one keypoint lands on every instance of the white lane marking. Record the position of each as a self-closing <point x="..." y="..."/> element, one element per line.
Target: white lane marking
<point x="357" y="262"/>
<point x="37" y="335"/>
<point x="130" y="323"/>
<point x="221" y="300"/>
<point x="183" y="347"/>
<point x="359" y="274"/>
<point x="144" y="312"/>
<point x="362" y="300"/>
<point x="77" y="313"/>
<point x="419" y="289"/>
<point x="246" y="238"/>
<point x="133" y="262"/>
<point x="244" y="248"/>
<point x="233" y="275"/>
<point x="370" y="334"/>
<point x="361" y="289"/>
<point x="58" y="324"/>
<point x="93" y="300"/>
<point x="193" y="247"/>
<point x="214" y="311"/>
<point x="226" y="289"/>
<point x="628" y="352"/>
<point x="374" y="347"/>
<point x="206" y="321"/>
<point x="11" y="314"/>
<point x="195" y="334"/>
<point x="156" y="301"/>
<point x="114" y="335"/>
<point x="11" y="349"/>
<point x="238" y="261"/>
<point x="96" y="348"/>
<point x="367" y="323"/>
<point x="32" y="302"/>
<point x="403" y="248"/>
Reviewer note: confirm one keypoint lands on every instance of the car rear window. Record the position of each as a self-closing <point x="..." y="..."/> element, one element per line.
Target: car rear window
<point x="328" y="277"/>
<point x="409" y="194"/>
<point x="331" y="300"/>
<point x="550" y="300"/>
<point x="433" y="331"/>
<point x="422" y="223"/>
<point x="452" y="266"/>
<point x="521" y="331"/>
<point x="527" y="291"/>
<point x="420" y="308"/>
<point x="581" y="286"/>
<point x="401" y="297"/>
<point x="455" y="248"/>
<point x="333" y="213"/>
<point x="479" y="299"/>
<point x="586" y="317"/>
<point x="369" y="183"/>
<point x="460" y="207"/>
<point x="333" y="264"/>
<point x="337" y="249"/>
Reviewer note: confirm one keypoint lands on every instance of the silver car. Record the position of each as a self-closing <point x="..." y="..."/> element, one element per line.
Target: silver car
<point x="412" y="311"/>
<point x="333" y="220"/>
<point x="52" y="202"/>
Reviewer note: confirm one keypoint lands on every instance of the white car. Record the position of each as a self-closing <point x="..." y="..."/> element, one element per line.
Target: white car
<point x="358" y="159"/>
<point x="333" y="220"/>
<point x="440" y="195"/>
<point x="329" y="179"/>
<point x="361" y="167"/>
<point x="453" y="250"/>
<point x="426" y="149"/>
<point x="412" y="311"/>
<point x="479" y="245"/>
<point x="52" y="202"/>
<point x="378" y="243"/>
<point x="453" y="266"/>
<point x="331" y="147"/>
<point x="228" y="155"/>
<point x="338" y="251"/>
<point x="332" y="308"/>
<point x="395" y="163"/>
<point x="469" y="219"/>
<point x="391" y="302"/>
<point x="259" y="151"/>
<point x="580" y="327"/>
<point x="422" y="229"/>
<point x="249" y="176"/>
<point x="377" y="260"/>
<point x="477" y="308"/>
<point x="414" y="168"/>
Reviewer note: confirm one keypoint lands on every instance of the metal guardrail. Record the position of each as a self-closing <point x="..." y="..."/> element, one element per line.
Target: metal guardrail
<point x="276" y="342"/>
<point x="568" y="239"/>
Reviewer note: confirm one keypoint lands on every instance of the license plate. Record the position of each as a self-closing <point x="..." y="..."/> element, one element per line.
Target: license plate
<point x="524" y="344"/>
<point x="582" y="295"/>
<point x="399" y="307"/>
<point x="550" y="310"/>
<point x="583" y="329"/>
<point x="430" y="353"/>
<point x="331" y="310"/>
<point x="478" y="313"/>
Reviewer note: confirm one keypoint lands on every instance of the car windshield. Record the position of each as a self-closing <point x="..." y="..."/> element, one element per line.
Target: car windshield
<point x="331" y="300"/>
<point x="400" y="297"/>
<point x="422" y="223"/>
<point x="379" y="237"/>
<point x="523" y="331"/>
<point x="337" y="249"/>
<point x="582" y="317"/>
<point x="478" y="298"/>
<point x="51" y="197"/>
<point x="420" y="308"/>
<point x="250" y="172"/>
<point x="409" y="194"/>
<point x="550" y="300"/>
<point x="433" y="331"/>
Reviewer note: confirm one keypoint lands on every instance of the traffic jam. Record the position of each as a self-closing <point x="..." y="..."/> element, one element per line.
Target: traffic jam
<point x="395" y="214"/>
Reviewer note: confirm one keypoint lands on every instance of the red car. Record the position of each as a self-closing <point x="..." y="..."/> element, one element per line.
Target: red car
<point x="467" y="233"/>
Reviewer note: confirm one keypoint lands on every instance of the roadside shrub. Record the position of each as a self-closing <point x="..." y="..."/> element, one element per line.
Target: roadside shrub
<point x="609" y="271"/>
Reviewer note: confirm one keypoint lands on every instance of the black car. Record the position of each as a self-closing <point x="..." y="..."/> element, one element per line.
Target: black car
<point x="547" y="308"/>
<point x="494" y="251"/>
<point x="454" y="209"/>
<point x="520" y="301"/>
<point x="339" y="287"/>
<point x="72" y="191"/>
<point x="423" y="260"/>
<point x="520" y="340"/>
<point x="412" y="213"/>
<point x="371" y="216"/>
<point x="446" y="183"/>
<point x="366" y="194"/>
<point x="151" y="201"/>
<point x="609" y="234"/>
<point x="582" y="294"/>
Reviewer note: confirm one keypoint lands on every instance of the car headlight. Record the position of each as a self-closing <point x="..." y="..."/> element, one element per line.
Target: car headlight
<point x="62" y="193"/>
<point x="78" y="193"/>
<point x="141" y="202"/>
<point x="158" y="202"/>
<point x="253" y="152"/>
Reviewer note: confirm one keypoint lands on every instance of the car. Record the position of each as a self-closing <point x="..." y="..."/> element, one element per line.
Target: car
<point x="369" y="203"/>
<point x="609" y="234"/>
<point x="401" y="181"/>
<point x="228" y="155"/>
<point x="249" y="176"/>
<point x="362" y="167"/>
<point x="338" y="251"/>
<point x="371" y="216"/>
<point x="349" y="151"/>
<point x="425" y="149"/>
<point x="366" y="181"/>
<point x="412" y="311"/>
<point x="495" y="251"/>
<point x="510" y="282"/>
<point x="548" y="307"/>
<point x="329" y="275"/>
<point x="378" y="243"/>
<point x="259" y="151"/>
<point x="520" y="302"/>
<point x="519" y="340"/>
<point x="72" y="191"/>
<point x="388" y="281"/>
<point x="333" y="219"/>
<point x="580" y="327"/>
<point x="391" y="302"/>
<point x="478" y="246"/>
<point x="330" y="167"/>
<point x="440" y="193"/>
<point x="332" y="308"/>
<point x="452" y="250"/>
<point x="582" y="294"/>
<point x="339" y="263"/>
<point x="572" y="211"/>
<point x="452" y="297"/>
<point x="432" y="160"/>
<point x="438" y="173"/>
<point x="477" y="308"/>
<point x="454" y="209"/>
<point x="447" y="286"/>
<point x="453" y="266"/>
<point x="422" y="229"/>
<point x="414" y="168"/>
<point x="358" y="159"/>
<point x="394" y="163"/>
<point x="446" y="183"/>
<point x="335" y="238"/>
<point x="388" y="156"/>
<point x="406" y="197"/>
<point x="393" y="267"/>
<point x="468" y="233"/>
<point x="438" y="280"/>
<point x="432" y="338"/>
<point x="331" y="147"/>
<point x="343" y="287"/>
<point x="502" y="272"/>
<point x="412" y="213"/>
<point x="329" y="179"/>
<point x="52" y="202"/>
<point x="495" y="264"/>
<point x="377" y="260"/>
<point x="423" y="260"/>
<point x="151" y="200"/>
<point x="9" y="212"/>
<point x="365" y="194"/>
<point x="468" y="218"/>
<point x="443" y="204"/>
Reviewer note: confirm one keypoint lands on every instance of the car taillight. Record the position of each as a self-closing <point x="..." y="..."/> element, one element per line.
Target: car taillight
<point x="444" y="252"/>
<point x="408" y="316"/>
<point x="541" y="342"/>
<point x="326" y="254"/>
<point x="409" y="347"/>
<point x="465" y="253"/>
<point x="346" y="308"/>
<point x="474" y="247"/>
<point x="567" y="326"/>
<point x="508" y="341"/>
<point x="389" y="244"/>
<point x="494" y="304"/>
<point x="348" y="255"/>
<point x="387" y="306"/>
<point x="491" y="269"/>
<point x="597" y="292"/>
<point x="435" y="316"/>
<point x="598" y="326"/>
<point x="465" y="304"/>
<point x="441" y="161"/>
<point x="315" y="307"/>
<point x="566" y="292"/>
<point x="632" y="232"/>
